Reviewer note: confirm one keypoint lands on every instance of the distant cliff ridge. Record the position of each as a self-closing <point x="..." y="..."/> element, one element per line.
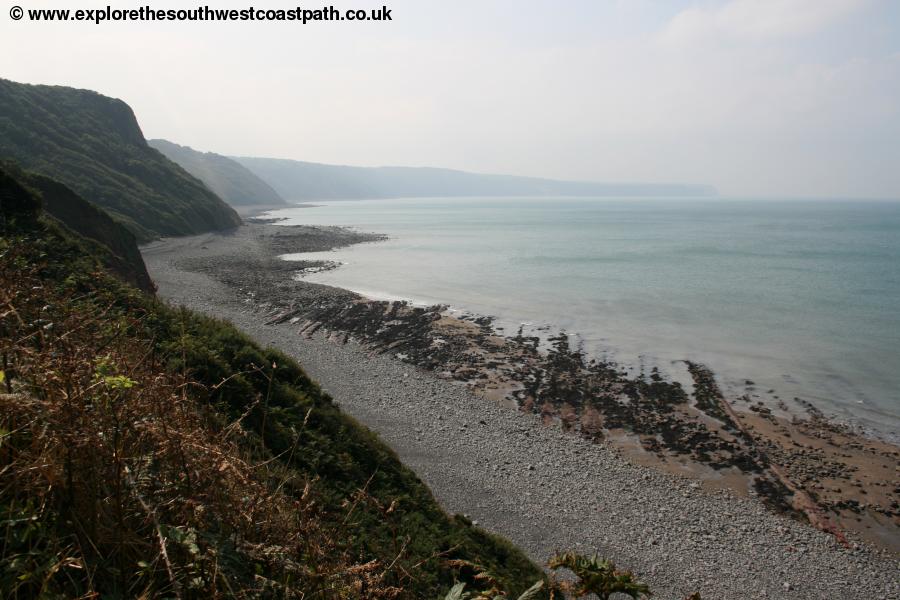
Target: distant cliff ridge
<point x="298" y="181"/>
<point x="94" y="145"/>
<point x="230" y="180"/>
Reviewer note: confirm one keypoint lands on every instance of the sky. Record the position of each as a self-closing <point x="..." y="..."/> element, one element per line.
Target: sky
<point x="779" y="98"/>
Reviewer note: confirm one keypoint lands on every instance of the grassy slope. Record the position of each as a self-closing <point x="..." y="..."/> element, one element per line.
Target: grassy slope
<point x="231" y="181"/>
<point x="94" y="145"/>
<point x="54" y="295"/>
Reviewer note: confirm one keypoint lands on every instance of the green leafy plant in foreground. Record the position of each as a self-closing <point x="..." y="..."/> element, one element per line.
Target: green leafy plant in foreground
<point x="598" y="576"/>
<point x="593" y="575"/>
<point x="458" y="592"/>
<point x="491" y="588"/>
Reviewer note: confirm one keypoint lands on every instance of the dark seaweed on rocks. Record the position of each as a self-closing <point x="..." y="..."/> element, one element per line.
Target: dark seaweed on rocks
<point x="560" y="384"/>
<point x="554" y="379"/>
<point x="707" y="395"/>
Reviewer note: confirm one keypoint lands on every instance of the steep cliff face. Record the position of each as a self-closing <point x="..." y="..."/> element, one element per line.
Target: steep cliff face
<point x="94" y="145"/>
<point x="122" y="256"/>
<point x="108" y="241"/>
<point x="17" y="203"/>
<point x="230" y="180"/>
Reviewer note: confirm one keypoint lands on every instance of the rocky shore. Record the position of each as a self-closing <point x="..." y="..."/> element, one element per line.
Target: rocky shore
<point x="542" y="446"/>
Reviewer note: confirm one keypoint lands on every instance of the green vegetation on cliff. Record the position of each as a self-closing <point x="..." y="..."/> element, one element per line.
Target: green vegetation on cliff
<point x="110" y="241"/>
<point x="93" y="145"/>
<point x="148" y="451"/>
<point x="230" y="180"/>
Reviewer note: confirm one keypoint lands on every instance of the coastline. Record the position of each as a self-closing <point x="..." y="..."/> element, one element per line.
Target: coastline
<point x="704" y="285"/>
<point x="522" y="469"/>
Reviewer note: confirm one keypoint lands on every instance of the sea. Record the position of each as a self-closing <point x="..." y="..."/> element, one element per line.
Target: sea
<point x="786" y="300"/>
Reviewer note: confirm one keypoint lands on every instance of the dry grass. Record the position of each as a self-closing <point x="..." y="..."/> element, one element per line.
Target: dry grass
<point x="114" y="480"/>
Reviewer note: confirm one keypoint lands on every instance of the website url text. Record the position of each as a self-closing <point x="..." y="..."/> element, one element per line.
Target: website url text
<point x="201" y="13"/>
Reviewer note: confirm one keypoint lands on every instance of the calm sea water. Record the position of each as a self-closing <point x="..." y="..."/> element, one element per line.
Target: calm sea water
<point x="800" y="296"/>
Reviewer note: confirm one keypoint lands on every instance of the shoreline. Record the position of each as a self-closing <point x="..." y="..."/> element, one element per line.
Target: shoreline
<point x="237" y="277"/>
<point x="738" y="386"/>
<point x="806" y="466"/>
<point x="652" y="311"/>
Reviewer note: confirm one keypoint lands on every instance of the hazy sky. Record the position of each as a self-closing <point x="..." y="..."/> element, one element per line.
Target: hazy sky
<point x="768" y="97"/>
